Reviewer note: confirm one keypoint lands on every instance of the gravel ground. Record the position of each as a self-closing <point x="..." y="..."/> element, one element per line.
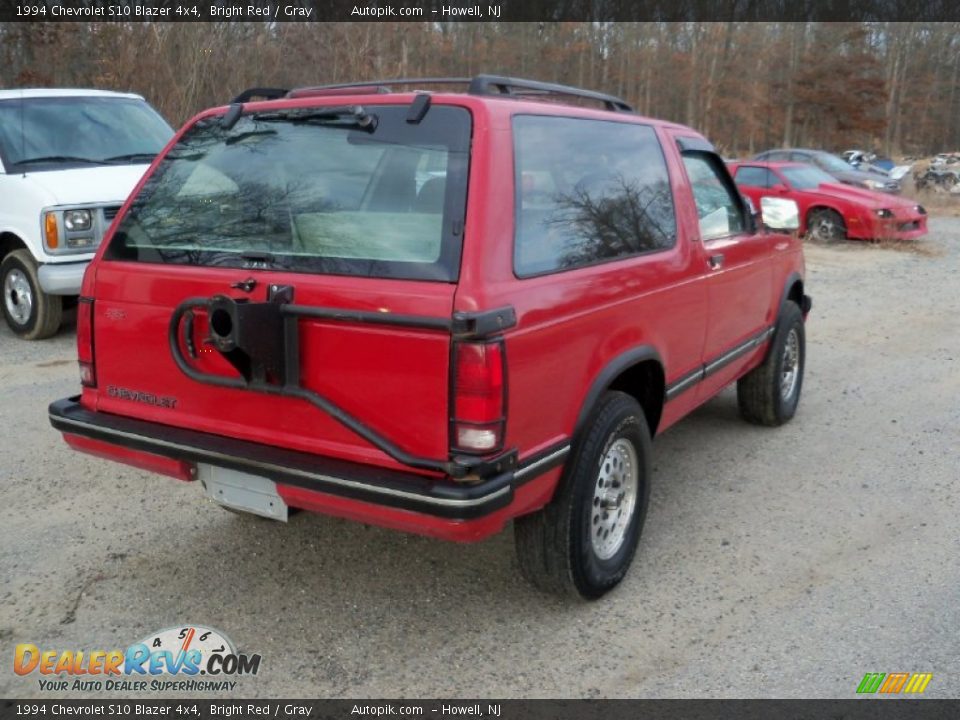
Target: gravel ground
<point x="775" y="563"/>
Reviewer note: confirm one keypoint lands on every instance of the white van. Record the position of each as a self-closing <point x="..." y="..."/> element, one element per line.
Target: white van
<point x="68" y="160"/>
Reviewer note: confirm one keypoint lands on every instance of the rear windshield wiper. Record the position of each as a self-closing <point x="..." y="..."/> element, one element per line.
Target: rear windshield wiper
<point x="343" y="116"/>
<point x="59" y="158"/>
<point x="148" y="157"/>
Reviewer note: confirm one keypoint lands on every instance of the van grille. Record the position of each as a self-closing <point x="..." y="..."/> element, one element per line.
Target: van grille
<point x="109" y="213"/>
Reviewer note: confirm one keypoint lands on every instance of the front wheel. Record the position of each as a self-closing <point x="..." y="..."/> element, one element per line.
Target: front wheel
<point x="769" y="394"/>
<point x="826" y="226"/>
<point x="583" y="541"/>
<point x="30" y="313"/>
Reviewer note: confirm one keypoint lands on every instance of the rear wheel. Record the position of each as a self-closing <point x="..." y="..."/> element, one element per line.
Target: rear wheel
<point x="30" y="313"/>
<point x="583" y="541"/>
<point x="769" y="394"/>
<point x="826" y="226"/>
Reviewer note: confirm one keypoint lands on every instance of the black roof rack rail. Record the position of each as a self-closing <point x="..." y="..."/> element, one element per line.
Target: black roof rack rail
<point x="499" y="85"/>
<point x="490" y="85"/>
<point x="260" y="92"/>
<point x="385" y="84"/>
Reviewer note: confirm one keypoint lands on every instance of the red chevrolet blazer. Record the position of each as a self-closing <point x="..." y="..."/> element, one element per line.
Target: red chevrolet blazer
<point x="435" y="311"/>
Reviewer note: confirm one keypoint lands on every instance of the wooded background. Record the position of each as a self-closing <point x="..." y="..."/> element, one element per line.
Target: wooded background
<point x="892" y="87"/>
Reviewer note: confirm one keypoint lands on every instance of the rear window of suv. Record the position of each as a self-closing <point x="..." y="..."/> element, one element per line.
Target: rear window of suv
<point x="344" y="190"/>
<point x="588" y="191"/>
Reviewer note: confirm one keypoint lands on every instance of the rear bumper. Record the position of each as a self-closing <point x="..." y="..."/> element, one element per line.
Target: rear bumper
<point x="312" y="478"/>
<point x="62" y="279"/>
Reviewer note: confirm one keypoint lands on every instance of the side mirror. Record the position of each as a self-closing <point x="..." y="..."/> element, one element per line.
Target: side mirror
<point x="780" y="214"/>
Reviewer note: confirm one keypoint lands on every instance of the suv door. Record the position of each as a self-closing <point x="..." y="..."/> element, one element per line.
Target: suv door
<point x="737" y="263"/>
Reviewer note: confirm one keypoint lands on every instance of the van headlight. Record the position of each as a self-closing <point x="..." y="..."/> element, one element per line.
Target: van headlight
<point x="77" y="220"/>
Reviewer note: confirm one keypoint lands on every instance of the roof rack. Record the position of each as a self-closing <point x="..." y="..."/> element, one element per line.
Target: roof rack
<point x="330" y="90"/>
<point x="497" y="85"/>
<point x="489" y="85"/>
<point x="260" y="92"/>
<point x="380" y="86"/>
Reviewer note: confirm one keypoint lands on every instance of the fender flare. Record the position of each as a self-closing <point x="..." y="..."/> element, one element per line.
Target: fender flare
<point x="805" y="301"/>
<point x="605" y="378"/>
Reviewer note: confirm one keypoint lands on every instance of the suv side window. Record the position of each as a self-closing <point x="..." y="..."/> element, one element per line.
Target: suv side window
<point x="588" y="191"/>
<point x="719" y="206"/>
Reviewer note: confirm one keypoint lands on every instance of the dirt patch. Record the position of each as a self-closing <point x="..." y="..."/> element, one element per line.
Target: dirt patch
<point x="71" y="615"/>
<point x="52" y="363"/>
<point x="923" y="247"/>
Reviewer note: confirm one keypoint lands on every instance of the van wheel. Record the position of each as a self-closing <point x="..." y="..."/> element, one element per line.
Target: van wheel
<point x="30" y="313"/>
<point x="583" y="541"/>
<point x="769" y="394"/>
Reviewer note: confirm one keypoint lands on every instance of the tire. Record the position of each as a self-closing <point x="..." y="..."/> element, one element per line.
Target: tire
<point x="769" y="394"/>
<point x="30" y="313"/>
<point x="826" y="226"/>
<point x="571" y="547"/>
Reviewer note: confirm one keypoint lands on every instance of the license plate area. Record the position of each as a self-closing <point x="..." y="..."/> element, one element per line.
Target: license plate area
<point x="242" y="491"/>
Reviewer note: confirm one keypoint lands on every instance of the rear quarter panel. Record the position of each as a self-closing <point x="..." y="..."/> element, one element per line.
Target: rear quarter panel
<point x="572" y="324"/>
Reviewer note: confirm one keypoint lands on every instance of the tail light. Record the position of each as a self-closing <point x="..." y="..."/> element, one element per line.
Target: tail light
<point x="88" y="370"/>
<point x="479" y="398"/>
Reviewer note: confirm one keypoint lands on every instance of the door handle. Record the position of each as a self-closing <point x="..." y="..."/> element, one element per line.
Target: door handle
<point x="716" y="261"/>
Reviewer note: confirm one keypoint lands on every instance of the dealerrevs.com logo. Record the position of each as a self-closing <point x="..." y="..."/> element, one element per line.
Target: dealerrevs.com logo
<point x="188" y="658"/>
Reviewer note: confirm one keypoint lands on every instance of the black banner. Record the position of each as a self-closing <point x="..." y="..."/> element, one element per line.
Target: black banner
<point x="472" y="11"/>
<point x="862" y="709"/>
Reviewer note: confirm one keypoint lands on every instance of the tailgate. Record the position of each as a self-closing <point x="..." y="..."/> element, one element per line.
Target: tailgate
<point x="392" y="378"/>
<point x="354" y="210"/>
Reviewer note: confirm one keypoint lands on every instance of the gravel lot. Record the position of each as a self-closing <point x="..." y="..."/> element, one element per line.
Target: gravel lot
<point x="775" y="563"/>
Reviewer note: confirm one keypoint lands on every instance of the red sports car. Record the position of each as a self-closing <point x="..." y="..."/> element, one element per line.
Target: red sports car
<point x="830" y="210"/>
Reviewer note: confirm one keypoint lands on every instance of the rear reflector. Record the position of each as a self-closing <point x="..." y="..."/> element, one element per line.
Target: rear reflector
<point x="479" y="405"/>
<point x="88" y="371"/>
